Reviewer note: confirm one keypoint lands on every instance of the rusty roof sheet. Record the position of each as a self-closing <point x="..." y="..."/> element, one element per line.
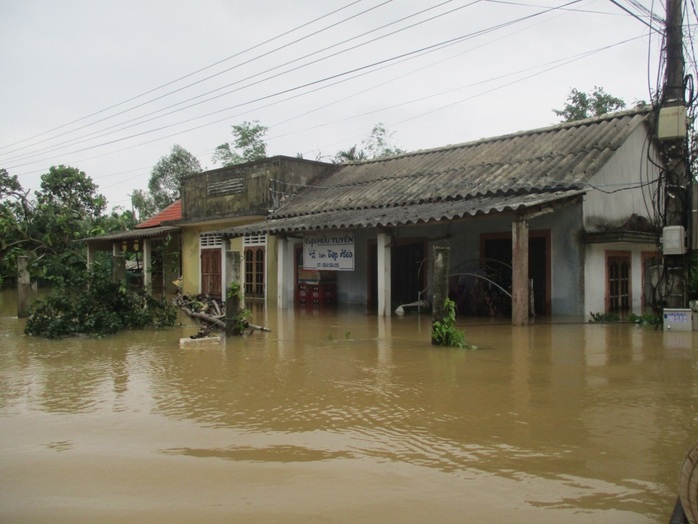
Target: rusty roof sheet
<point x="388" y="216"/>
<point x="559" y="157"/>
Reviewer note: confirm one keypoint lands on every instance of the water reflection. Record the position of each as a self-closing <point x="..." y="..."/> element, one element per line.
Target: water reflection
<point x="584" y="423"/>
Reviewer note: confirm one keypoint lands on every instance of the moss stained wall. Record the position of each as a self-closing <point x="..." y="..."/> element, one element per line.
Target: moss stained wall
<point x="222" y="198"/>
<point x="245" y="189"/>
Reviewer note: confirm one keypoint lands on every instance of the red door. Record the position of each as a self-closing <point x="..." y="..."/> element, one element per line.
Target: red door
<point x="211" y="272"/>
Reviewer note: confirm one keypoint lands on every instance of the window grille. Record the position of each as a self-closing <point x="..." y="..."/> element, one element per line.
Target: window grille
<point x="210" y="240"/>
<point x="254" y="240"/>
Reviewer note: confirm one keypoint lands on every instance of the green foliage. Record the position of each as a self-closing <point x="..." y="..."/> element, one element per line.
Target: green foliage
<point x="66" y="208"/>
<point x="604" y="317"/>
<point x="164" y="183"/>
<point x="444" y="332"/>
<point x="353" y="154"/>
<point x="143" y="205"/>
<point x="647" y="318"/>
<point x="234" y="291"/>
<point x="693" y="277"/>
<point x="93" y="305"/>
<point x="581" y="105"/>
<point x="241" y="320"/>
<point x="378" y="145"/>
<point x="248" y="145"/>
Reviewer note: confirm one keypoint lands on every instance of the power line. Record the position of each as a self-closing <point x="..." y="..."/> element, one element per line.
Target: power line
<point x="86" y="138"/>
<point x="378" y="63"/>
<point x="119" y="104"/>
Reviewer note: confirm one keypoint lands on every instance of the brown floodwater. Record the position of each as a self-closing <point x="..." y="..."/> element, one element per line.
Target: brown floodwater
<point x="344" y="417"/>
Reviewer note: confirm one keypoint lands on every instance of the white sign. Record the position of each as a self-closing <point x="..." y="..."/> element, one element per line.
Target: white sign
<point x="330" y="252"/>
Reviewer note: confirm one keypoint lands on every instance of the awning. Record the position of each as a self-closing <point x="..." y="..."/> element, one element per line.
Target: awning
<point x="133" y="234"/>
<point x="430" y="212"/>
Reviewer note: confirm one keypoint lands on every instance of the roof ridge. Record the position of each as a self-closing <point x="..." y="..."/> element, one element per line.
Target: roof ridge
<point x="638" y="110"/>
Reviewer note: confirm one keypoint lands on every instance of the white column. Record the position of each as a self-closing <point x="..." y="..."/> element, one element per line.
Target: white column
<point x="383" y="274"/>
<point x="147" y="264"/>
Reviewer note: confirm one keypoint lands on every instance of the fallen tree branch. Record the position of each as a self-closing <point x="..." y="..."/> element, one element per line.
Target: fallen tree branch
<point x="203" y="316"/>
<point x="210" y="322"/>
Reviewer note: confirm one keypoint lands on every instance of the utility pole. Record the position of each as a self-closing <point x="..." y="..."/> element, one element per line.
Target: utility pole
<point x="672" y="132"/>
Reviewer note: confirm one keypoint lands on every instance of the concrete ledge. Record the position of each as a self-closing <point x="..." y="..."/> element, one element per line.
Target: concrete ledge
<point x="205" y="342"/>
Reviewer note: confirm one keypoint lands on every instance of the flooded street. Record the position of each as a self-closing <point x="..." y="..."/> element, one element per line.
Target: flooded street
<point x="344" y="417"/>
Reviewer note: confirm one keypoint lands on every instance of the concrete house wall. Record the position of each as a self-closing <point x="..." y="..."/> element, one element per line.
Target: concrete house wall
<point x="233" y="196"/>
<point x="622" y="188"/>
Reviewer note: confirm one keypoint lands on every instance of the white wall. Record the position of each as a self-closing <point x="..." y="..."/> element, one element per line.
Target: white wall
<point x="595" y="271"/>
<point x="623" y="186"/>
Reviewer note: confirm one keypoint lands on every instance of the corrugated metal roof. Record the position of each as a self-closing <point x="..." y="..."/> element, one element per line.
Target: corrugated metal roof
<point x="136" y="233"/>
<point x="558" y="157"/>
<point x="406" y="215"/>
<point x="505" y="173"/>
<point x="170" y="213"/>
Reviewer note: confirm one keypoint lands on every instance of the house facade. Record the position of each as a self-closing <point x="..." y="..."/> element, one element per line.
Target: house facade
<point x="554" y="221"/>
<point x="233" y="196"/>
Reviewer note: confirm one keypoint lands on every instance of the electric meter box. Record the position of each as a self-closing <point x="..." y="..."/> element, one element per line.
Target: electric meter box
<point x="678" y="319"/>
<point x="673" y="240"/>
<point x="672" y="123"/>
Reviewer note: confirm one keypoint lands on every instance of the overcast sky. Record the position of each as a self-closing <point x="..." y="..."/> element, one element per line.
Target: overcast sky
<point x="109" y="87"/>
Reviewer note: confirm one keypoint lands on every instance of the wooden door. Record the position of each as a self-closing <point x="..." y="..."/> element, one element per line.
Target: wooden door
<point x="211" y="272"/>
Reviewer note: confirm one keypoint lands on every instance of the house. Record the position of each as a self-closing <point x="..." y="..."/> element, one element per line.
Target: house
<point x="563" y="219"/>
<point x="155" y="249"/>
<point x="232" y="196"/>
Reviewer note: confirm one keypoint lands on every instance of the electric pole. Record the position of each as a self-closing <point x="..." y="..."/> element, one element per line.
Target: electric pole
<point x="672" y="132"/>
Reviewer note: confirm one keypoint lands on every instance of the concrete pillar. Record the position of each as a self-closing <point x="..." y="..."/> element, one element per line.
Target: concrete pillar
<point x="118" y="268"/>
<point x="23" y="287"/>
<point x="233" y="270"/>
<point x="147" y="265"/>
<point x="383" y="274"/>
<point x="519" y="279"/>
<point x="171" y="264"/>
<point x="90" y="256"/>
<point x="440" y="283"/>
<point x="233" y="261"/>
<point x="283" y="279"/>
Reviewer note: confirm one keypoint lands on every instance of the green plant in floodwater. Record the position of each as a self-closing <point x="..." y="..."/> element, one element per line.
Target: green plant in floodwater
<point x="91" y="304"/>
<point x="647" y="318"/>
<point x="347" y="335"/>
<point x="604" y="317"/>
<point x="444" y="332"/>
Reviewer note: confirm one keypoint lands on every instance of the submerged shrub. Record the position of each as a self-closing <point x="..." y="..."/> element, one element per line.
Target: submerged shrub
<point x="93" y="305"/>
<point x="444" y="332"/>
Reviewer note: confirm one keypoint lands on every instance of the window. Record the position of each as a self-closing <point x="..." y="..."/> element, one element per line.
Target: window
<point x="255" y="248"/>
<point x="618" y="298"/>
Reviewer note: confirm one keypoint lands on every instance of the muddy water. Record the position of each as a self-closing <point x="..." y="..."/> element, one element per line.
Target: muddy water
<point x="346" y="418"/>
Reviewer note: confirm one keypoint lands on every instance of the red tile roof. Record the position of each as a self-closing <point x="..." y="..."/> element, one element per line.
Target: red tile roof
<point x="171" y="212"/>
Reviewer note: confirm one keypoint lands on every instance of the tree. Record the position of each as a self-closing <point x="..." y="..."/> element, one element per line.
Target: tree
<point x="164" y="183"/>
<point x="353" y="154"/>
<point x="143" y="204"/>
<point x="377" y="145"/>
<point x="66" y="208"/>
<point x="581" y="105"/>
<point x="248" y="145"/>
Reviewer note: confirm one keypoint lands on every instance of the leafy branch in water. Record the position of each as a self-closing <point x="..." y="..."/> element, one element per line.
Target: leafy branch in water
<point x="93" y="305"/>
